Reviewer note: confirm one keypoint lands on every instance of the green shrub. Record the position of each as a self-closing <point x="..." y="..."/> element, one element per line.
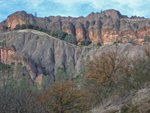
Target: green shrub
<point x="85" y="42"/>
<point x="147" y="39"/>
<point x="2" y="43"/>
<point x="59" y="34"/>
<point x="129" y="109"/>
<point x="17" y="27"/>
<point x="5" y="27"/>
<point x="70" y="39"/>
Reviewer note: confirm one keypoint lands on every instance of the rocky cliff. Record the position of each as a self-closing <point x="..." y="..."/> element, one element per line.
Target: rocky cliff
<point x="106" y="27"/>
<point x="6" y="55"/>
<point x="44" y="56"/>
<point x="41" y="54"/>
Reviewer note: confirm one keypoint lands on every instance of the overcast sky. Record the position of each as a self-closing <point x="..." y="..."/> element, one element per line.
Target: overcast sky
<point x="74" y="7"/>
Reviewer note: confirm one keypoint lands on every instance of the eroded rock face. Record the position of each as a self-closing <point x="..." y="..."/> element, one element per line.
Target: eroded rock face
<point x="106" y="27"/>
<point x="42" y="54"/>
<point x="6" y="55"/>
<point x="1" y="27"/>
<point x="80" y="32"/>
<point x="19" y="18"/>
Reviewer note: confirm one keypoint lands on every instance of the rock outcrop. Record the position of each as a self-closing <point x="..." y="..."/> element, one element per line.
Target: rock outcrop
<point x="106" y="27"/>
<point x="6" y="55"/>
<point x="42" y="54"/>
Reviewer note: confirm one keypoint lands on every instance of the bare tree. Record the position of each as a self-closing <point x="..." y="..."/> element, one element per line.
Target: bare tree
<point x="106" y="69"/>
<point x="63" y="97"/>
<point x="107" y="66"/>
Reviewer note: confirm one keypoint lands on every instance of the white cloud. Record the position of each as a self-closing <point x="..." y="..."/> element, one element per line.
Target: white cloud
<point x="76" y="7"/>
<point x="134" y="6"/>
<point x="94" y="3"/>
<point x="34" y="3"/>
<point x="137" y="7"/>
<point x="70" y="2"/>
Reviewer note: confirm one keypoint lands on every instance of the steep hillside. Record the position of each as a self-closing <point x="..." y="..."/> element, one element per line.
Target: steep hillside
<point x="106" y="27"/>
<point x="42" y="54"/>
<point x="137" y="102"/>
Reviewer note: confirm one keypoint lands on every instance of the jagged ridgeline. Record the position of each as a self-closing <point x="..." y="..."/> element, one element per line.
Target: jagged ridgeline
<point x="107" y="27"/>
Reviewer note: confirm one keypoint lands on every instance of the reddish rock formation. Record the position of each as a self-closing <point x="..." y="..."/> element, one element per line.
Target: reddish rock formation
<point x="6" y="55"/>
<point x="18" y="18"/>
<point x="69" y="28"/>
<point x="106" y="27"/>
<point x="80" y="32"/>
<point x="1" y="27"/>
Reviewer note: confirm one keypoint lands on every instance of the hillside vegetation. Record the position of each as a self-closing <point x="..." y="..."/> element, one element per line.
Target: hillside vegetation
<point x="110" y="76"/>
